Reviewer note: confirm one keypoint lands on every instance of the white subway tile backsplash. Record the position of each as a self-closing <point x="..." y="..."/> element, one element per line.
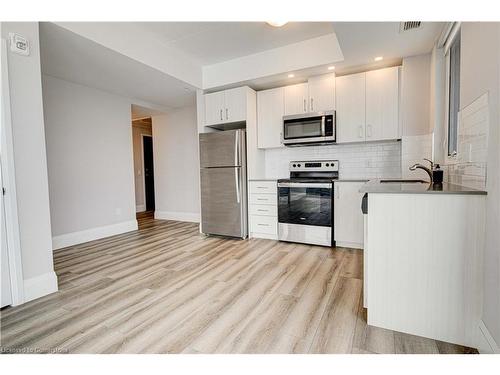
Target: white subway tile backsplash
<point x="472" y="153"/>
<point x="363" y="160"/>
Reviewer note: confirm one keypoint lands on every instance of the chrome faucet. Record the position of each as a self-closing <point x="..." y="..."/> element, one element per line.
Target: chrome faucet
<point x="420" y="166"/>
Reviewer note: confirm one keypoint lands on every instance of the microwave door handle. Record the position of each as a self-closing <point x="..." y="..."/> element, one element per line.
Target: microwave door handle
<point x="323" y="133"/>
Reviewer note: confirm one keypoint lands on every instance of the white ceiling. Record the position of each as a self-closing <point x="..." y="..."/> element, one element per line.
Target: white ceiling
<point x="71" y="57"/>
<point x="213" y="42"/>
<point x="361" y="42"/>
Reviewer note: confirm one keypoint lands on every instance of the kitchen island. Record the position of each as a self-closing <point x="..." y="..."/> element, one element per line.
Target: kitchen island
<point x="423" y="258"/>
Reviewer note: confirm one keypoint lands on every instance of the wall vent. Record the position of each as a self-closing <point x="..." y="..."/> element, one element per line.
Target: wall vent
<point x="409" y="25"/>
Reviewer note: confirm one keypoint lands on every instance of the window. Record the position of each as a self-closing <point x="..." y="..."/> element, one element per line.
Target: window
<point x="453" y="95"/>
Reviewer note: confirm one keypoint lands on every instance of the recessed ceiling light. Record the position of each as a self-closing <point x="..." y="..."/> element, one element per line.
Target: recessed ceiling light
<point x="291" y="75"/>
<point x="277" y="23"/>
<point x="379" y="58"/>
<point x="331" y="68"/>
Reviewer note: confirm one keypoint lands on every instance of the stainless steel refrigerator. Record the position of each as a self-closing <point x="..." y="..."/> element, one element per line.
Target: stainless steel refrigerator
<point x="223" y="177"/>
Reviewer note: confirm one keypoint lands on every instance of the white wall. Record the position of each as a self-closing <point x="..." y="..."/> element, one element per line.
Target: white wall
<point x="415" y="91"/>
<point x="176" y="165"/>
<point x="480" y="73"/>
<point x="30" y="164"/>
<point x="140" y="128"/>
<point x="90" y="163"/>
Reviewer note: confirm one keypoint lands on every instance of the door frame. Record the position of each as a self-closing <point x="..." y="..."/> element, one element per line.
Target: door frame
<point x="9" y="181"/>
<point x="143" y="135"/>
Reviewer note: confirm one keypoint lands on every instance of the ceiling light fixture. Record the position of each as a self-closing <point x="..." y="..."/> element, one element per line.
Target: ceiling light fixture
<point x="331" y="68"/>
<point x="277" y="23"/>
<point x="291" y="75"/>
<point x="379" y="58"/>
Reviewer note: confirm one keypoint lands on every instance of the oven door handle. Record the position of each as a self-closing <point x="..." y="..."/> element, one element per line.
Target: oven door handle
<point x="305" y="185"/>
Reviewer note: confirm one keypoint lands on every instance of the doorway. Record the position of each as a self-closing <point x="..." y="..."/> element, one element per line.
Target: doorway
<point x="149" y="180"/>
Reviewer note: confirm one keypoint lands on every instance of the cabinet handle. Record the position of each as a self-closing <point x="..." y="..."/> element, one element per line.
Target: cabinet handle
<point x="312" y="105"/>
<point x="360" y="131"/>
<point x="263" y="225"/>
<point x="369" y="131"/>
<point x="261" y="210"/>
<point x="227" y="116"/>
<point x="305" y="110"/>
<point x="261" y="199"/>
<point x="221" y="114"/>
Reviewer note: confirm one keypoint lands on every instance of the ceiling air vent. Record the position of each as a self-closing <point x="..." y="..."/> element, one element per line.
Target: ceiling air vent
<point x="409" y="25"/>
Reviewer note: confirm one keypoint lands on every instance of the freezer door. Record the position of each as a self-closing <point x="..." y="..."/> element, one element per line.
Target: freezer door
<point x="222" y="149"/>
<point x="223" y="202"/>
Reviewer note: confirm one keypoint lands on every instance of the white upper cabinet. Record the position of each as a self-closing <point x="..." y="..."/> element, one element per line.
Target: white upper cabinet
<point x="350" y="97"/>
<point x="321" y="93"/>
<point x="382" y="104"/>
<point x="226" y="106"/>
<point x="368" y="106"/>
<point x="214" y="108"/>
<point x="235" y="104"/>
<point x="296" y="99"/>
<point x="270" y="110"/>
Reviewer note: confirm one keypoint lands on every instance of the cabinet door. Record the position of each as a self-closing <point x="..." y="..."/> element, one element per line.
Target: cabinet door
<point x="350" y="98"/>
<point x="296" y="99"/>
<point x="214" y="108"/>
<point x="382" y="104"/>
<point x="322" y="93"/>
<point x="235" y="105"/>
<point x="348" y="219"/>
<point x="270" y="109"/>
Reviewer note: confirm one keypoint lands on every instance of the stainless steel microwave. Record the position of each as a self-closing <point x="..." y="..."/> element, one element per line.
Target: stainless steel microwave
<point x="309" y="128"/>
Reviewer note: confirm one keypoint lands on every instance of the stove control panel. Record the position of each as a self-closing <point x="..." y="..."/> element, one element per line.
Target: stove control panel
<point x="314" y="166"/>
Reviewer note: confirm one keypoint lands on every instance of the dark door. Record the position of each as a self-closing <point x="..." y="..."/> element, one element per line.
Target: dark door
<point x="149" y="179"/>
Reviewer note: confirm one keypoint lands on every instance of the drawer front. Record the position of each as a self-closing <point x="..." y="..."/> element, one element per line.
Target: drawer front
<point x="264" y="224"/>
<point x="263" y="187"/>
<point x="267" y="199"/>
<point x="264" y="210"/>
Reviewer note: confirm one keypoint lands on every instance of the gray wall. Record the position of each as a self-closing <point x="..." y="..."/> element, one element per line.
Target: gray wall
<point x="175" y="148"/>
<point x="89" y="152"/>
<point x="29" y="153"/>
<point x="480" y="73"/>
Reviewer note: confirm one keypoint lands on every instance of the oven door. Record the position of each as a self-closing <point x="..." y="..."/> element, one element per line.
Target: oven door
<point x="305" y="203"/>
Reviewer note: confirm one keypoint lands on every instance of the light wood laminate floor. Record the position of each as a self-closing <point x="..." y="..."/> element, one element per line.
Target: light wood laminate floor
<point x="167" y="289"/>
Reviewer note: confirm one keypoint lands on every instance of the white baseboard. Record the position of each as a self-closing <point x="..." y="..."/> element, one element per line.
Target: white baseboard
<point x="486" y="344"/>
<point x="351" y="245"/>
<point x="140" y="208"/>
<point x="40" y="286"/>
<point x="178" y="216"/>
<point x="75" y="238"/>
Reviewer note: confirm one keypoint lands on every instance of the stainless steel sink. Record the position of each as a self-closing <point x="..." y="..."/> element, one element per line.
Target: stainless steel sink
<point x="404" y="181"/>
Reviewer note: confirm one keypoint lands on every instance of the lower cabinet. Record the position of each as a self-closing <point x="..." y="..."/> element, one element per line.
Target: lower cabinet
<point x="348" y="219"/>
<point x="263" y="209"/>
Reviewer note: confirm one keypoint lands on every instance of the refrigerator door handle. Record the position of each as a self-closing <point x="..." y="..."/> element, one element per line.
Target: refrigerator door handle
<point x="237" y="181"/>
<point x="236" y="148"/>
